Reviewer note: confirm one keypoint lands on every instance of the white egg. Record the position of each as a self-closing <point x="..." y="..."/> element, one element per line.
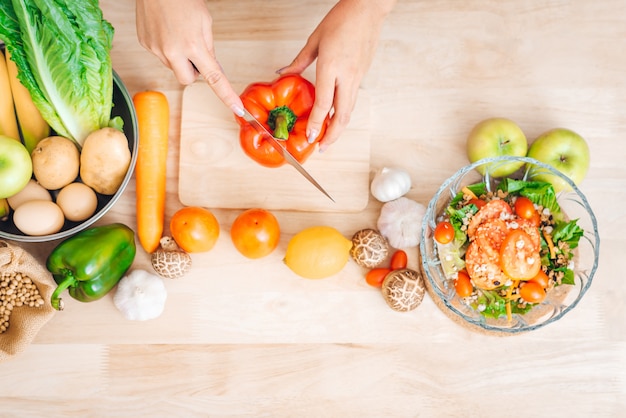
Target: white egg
<point x="38" y="217"/>
<point x="77" y="201"/>
<point x="32" y="191"/>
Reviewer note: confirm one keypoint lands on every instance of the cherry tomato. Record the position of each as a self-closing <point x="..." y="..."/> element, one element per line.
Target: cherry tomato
<point x="463" y="284"/>
<point x="376" y="276"/>
<point x="444" y="232"/>
<point x="194" y="229"/>
<point x="541" y="278"/>
<point x="525" y="209"/>
<point x="532" y="292"/>
<point x="479" y="203"/>
<point x="399" y="260"/>
<point x="519" y="257"/>
<point x="255" y="233"/>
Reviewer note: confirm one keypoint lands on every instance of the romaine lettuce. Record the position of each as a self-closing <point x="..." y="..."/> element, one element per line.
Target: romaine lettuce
<point x="61" y="49"/>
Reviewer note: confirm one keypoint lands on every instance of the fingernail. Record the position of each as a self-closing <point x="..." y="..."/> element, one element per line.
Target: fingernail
<point x="312" y="135"/>
<point x="280" y="70"/>
<point x="237" y="110"/>
<point x="322" y="148"/>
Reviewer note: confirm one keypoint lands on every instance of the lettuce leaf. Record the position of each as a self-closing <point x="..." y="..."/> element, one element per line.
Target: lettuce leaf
<point x="541" y="193"/>
<point x="569" y="232"/>
<point x="61" y="49"/>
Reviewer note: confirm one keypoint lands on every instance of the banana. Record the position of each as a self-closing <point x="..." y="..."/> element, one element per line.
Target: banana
<point x="4" y="209"/>
<point x="32" y="125"/>
<point x="8" y="122"/>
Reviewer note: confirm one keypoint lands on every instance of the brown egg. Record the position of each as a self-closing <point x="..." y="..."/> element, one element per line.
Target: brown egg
<point x="77" y="201"/>
<point x="32" y="191"/>
<point x="38" y="217"/>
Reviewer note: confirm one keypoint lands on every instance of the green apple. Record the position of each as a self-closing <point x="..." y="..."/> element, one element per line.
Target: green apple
<point x="496" y="137"/>
<point x="16" y="167"/>
<point x="566" y="151"/>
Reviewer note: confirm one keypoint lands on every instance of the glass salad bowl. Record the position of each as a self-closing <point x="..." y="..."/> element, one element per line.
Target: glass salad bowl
<point x="441" y="263"/>
<point x="123" y="107"/>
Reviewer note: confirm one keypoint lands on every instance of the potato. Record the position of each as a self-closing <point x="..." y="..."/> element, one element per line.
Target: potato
<point x="55" y="162"/>
<point x="104" y="160"/>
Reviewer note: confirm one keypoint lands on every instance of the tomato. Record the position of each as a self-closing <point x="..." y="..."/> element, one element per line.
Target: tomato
<point x="255" y="233"/>
<point x="479" y="203"/>
<point x="519" y="257"/>
<point x="399" y="260"/>
<point x="463" y="284"/>
<point x="194" y="229"/>
<point x="532" y="292"/>
<point x="375" y="277"/>
<point x="541" y="278"/>
<point x="496" y="208"/>
<point x="485" y="272"/>
<point x="444" y="232"/>
<point x="525" y="209"/>
<point x="490" y="235"/>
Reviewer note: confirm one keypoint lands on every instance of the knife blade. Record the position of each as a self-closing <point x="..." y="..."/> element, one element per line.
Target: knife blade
<point x="276" y="143"/>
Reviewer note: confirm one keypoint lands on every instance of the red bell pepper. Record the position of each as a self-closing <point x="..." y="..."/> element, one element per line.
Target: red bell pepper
<point x="283" y="107"/>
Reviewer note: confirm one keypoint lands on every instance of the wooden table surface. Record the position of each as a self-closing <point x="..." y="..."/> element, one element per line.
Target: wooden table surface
<point x="249" y="338"/>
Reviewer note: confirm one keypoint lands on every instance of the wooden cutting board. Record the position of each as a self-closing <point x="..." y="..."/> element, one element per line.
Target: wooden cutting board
<point x="214" y="171"/>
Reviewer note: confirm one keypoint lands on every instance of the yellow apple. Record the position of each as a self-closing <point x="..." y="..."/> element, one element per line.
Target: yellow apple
<point x="566" y="151"/>
<point x="497" y="137"/>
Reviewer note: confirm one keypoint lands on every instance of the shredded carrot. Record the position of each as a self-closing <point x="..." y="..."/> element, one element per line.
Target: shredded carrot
<point x="467" y="192"/>
<point x="509" y="296"/>
<point x="550" y="243"/>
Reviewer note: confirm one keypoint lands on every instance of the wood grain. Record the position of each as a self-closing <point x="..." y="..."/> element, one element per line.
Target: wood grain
<point x="249" y="339"/>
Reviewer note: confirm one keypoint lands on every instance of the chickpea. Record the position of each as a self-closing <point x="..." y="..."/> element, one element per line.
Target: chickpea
<point x="16" y="290"/>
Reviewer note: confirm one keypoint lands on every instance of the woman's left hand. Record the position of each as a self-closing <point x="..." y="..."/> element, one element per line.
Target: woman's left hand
<point x="344" y="44"/>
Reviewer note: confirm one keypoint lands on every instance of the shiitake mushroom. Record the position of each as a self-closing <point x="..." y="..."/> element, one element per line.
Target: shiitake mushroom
<point x="369" y="248"/>
<point x="403" y="289"/>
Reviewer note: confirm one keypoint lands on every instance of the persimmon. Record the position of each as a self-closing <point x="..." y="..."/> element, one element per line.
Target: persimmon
<point x="255" y="233"/>
<point x="195" y="229"/>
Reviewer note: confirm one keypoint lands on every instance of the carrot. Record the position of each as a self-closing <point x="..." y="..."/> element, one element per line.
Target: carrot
<point x="152" y="111"/>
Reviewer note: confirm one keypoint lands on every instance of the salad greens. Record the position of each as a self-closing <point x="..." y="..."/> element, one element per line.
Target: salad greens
<point x="61" y="49"/>
<point x="564" y="235"/>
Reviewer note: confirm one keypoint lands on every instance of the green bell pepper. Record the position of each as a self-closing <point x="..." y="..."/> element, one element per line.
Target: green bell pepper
<point x="91" y="262"/>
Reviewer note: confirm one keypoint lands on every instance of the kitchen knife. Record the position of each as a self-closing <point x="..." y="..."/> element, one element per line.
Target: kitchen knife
<point x="276" y="143"/>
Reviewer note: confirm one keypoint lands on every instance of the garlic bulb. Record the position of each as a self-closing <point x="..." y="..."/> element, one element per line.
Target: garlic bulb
<point x="390" y="183"/>
<point x="140" y="296"/>
<point x="400" y="221"/>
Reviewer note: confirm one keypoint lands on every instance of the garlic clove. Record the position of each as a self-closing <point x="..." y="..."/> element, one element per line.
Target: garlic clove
<point x="390" y="183"/>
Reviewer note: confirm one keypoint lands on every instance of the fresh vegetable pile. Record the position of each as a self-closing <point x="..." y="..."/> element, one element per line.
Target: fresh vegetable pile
<point x="62" y="53"/>
<point x="505" y="249"/>
<point x="59" y="145"/>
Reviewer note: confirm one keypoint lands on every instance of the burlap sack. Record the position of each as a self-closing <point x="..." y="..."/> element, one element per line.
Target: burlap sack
<point x="25" y="321"/>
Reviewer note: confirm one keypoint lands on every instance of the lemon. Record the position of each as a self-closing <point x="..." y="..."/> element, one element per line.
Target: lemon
<point x="317" y="252"/>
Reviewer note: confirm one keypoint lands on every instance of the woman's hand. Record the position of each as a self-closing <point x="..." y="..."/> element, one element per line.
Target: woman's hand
<point x="344" y="44"/>
<point x="182" y="38"/>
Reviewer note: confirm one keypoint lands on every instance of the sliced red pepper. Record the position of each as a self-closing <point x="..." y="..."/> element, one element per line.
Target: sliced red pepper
<point x="283" y="107"/>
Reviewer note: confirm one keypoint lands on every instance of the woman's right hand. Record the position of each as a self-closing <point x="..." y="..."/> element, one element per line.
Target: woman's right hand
<point x="180" y="34"/>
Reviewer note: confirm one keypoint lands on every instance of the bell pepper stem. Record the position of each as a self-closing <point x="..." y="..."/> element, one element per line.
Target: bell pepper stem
<point x="55" y="299"/>
<point x="281" y="131"/>
<point x="281" y="121"/>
